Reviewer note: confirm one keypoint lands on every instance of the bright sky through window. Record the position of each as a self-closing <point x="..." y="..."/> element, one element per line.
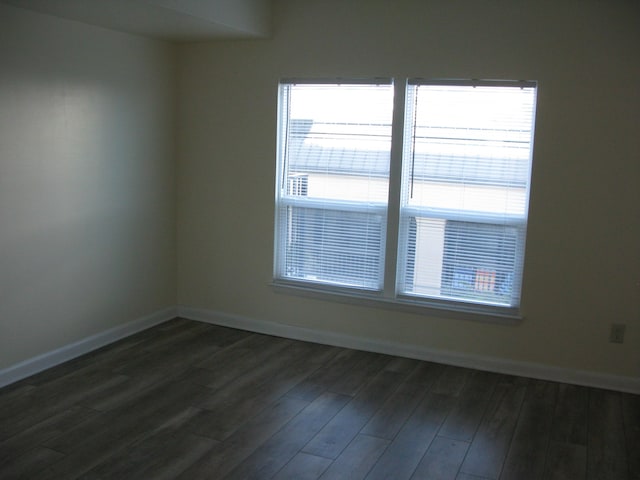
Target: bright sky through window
<point x="360" y="126"/>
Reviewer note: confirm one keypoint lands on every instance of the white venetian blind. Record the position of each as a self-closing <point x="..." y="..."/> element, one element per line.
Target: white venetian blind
<point x="466" y="170"/>
<point x="333" y="166"/>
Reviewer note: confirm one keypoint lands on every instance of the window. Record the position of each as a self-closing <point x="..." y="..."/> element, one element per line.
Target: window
<point x="333" y="183"/>
<point x="458" y="230"/>
<point x="465" y="190"/>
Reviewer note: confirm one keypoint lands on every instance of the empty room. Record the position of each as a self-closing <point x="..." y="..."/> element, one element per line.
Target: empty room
<point x="298" y="239"/>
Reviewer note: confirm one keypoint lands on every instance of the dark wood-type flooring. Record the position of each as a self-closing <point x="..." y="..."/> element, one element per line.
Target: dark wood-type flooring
<point x="189" y="400"/>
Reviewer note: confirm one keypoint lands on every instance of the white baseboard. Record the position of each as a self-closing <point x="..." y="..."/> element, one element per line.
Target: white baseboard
<point x="499" y="365"/>
<point x="55" y="357"/>
<point x="493" y="364"/>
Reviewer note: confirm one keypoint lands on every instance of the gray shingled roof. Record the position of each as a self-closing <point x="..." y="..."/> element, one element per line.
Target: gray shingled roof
<point x="305" y="156"/>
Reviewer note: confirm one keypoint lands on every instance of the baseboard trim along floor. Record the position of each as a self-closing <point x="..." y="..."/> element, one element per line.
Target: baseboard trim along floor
<point x="479" y="362"/>
<point x="60" y="355"/>
<point x="493" y="364"/>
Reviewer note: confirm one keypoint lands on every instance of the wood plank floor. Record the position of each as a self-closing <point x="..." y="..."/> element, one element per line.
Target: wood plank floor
<point x="188" y="400"/>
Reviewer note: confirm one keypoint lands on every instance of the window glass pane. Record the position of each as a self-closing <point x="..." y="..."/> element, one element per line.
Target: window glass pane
<point x="339" y="138"/>
<point x="462" y="260"/>
<point x="332" y="246"/>
<point x="469" y="148"/>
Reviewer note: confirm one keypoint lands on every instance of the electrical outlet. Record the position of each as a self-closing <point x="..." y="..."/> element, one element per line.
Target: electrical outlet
<point x="617" y="333"/>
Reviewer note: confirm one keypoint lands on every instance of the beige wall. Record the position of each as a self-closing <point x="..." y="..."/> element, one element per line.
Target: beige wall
<point x="87" y="224"/>
<point x="582" y="268"/>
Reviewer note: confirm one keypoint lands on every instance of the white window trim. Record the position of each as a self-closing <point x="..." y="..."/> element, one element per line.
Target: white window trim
<point x="429" y="307"/>
<point x="388" y="297"/>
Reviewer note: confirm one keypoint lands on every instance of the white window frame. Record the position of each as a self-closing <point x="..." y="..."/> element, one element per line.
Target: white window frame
<point x="389" y="296"/>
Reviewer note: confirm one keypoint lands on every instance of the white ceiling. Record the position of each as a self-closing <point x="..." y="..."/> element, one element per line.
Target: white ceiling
<point x="174" y="20"/>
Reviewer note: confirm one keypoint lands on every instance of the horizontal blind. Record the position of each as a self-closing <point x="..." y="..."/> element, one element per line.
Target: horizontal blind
<point x="334" y="149"/>
<point x="466" y="170"/>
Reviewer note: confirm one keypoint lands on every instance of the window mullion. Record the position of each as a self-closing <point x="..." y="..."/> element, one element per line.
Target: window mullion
<point x="395" y="188"/>
<point x="284" y="97"/>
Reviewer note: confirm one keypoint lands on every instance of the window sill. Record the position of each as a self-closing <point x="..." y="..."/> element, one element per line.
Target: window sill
<point x="442" y="309"/>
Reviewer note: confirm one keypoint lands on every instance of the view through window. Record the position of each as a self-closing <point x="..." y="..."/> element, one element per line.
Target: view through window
<point x="464" y="188"/>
